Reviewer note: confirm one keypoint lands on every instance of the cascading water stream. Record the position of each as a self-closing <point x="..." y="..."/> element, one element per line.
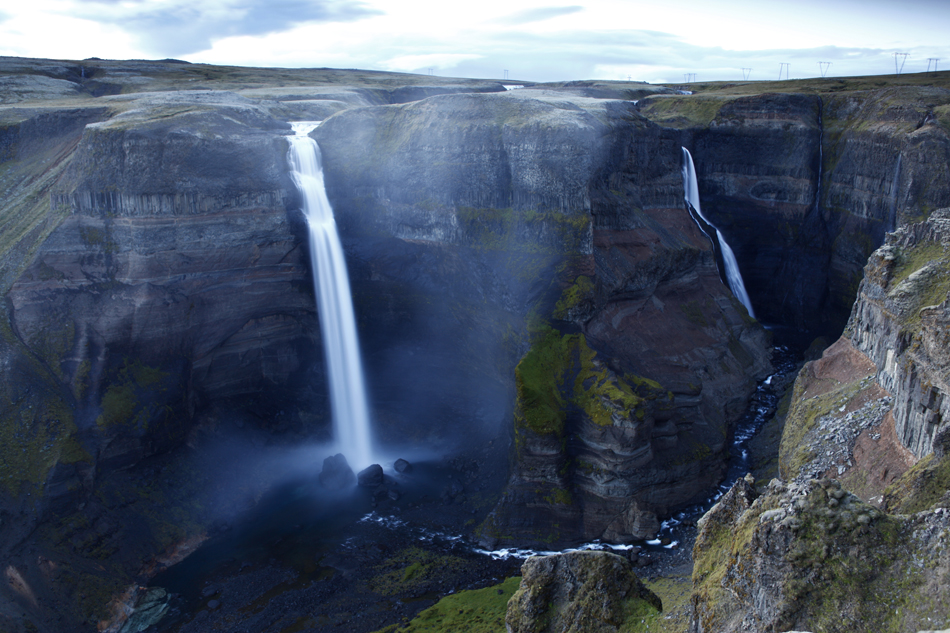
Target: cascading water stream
<point x="895" y="189"/>
<point x="351" y="423"/>
<point x="733" y="276"/>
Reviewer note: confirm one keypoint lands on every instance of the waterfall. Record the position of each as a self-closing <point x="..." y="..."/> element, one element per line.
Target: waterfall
<point x="733" y="276"/>
<point x="895" y="188"/>
<point x="334" y="302"/>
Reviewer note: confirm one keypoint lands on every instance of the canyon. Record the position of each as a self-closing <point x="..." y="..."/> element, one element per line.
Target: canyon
<point x="532" y="295"/>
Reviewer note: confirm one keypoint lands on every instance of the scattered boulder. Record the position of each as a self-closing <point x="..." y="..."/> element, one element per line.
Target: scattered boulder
<point x="402" y="466"/>
<point x="150" y="607"/>
<point x="590" y="592"/>
<point x="336" y="473"/>
<point x="371" y="477"/>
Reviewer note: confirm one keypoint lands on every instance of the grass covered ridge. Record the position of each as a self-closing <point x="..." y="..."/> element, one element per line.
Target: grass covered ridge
<point x="473" y="611"/>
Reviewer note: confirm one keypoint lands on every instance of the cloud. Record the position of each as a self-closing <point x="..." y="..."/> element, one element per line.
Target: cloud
<point x="183" y="27"/>
<point x="537" y="15"/>
<point x="408" y="63"/>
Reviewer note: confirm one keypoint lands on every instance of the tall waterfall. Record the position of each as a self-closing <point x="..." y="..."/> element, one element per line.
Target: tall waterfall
<point x="334" y="302"/>
<point x="733" y="276"/>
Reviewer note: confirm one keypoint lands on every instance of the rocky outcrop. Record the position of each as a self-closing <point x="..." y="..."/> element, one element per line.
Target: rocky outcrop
<point x="865" y="422"/>
<point x="814" y="557"/>
<point x="589" y="592"/>
<point x="900" y="321"/>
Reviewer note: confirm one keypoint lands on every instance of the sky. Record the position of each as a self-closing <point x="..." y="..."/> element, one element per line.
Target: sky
<point x="673" y="41"/>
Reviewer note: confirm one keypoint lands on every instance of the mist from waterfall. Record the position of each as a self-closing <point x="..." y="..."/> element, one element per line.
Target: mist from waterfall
<point x="351" y="423"/>
<point x="733" y="276"/>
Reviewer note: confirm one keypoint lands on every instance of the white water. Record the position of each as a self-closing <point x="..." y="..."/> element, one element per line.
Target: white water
<point x="341" y="348"/>
<point x="733" y="276"/>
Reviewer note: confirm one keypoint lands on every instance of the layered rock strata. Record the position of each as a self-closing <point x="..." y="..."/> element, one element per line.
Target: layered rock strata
<point x="626" y="418"/>
<point x="901" y="320"/>
<point x="824" y="175"/>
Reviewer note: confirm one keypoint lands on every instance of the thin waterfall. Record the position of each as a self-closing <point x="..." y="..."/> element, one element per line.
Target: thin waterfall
<point x="733" y="276"/>
<point x="895" y="189"/>
<point x="341" y="348"/>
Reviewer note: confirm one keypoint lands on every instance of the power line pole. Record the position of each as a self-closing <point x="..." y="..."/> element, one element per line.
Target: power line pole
<point x="903" y="57"/>
<point x="934" y="60"/>
<point x="782" y="66"/>
<point x="506" y="74"/>
<point x="745" y="73"/>
<point x="823" y="67"/>
<point x="430" y="70"/>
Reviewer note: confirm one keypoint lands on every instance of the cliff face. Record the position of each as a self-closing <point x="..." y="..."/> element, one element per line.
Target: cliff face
<point x="814" y="557"/>
<point x="174" y="279"/>
<point x="900" y="321"/>
<point x="579" y="203"/>
<point x="823" y="175"/>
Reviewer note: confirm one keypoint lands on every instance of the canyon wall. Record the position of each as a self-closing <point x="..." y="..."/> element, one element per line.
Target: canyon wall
<point x="634" y="357"/>
<point x="823" y="173"/>
<point x="865" y="469"/>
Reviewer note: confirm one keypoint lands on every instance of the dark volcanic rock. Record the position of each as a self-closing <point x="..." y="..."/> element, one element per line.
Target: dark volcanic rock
<point x="571" y="209"/>
<point x="371" y="476"/>
<point x="901" y="320"/>
<point x="579" y="592"/>
<point x="813" y="557"/>
<point x="402" y="466"/>
<point x="336" y="473"/>
<point x="823" y="176"/>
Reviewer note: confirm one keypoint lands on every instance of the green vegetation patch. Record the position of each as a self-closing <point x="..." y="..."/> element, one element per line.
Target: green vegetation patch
<point x="683" y="111"/>
<point x="921" y="275"/>
<point x="411" y="569"/>
<point x="581" y="291"/>
<point x="473" y="611"/>
<point x="120" y="403"/>
<point x="539" y="379"/>
<point x="599" y="393"/>
<point x="562" y="370"/>
<point x="921" y="487"/>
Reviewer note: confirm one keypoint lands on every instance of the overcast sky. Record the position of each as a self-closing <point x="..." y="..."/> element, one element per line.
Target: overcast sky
<point x="655" y="41"/>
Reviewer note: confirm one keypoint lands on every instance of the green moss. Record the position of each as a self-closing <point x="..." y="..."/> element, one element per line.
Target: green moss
<point x="920" y="488"/>
<point x="120" y="403"/>
<point x="410" y="570"/>
<point x="539" y="379"/>
<point x="600" y="394"/>
<point x="694" y="312"/>
<point x="580" y="291"/>
<point x="910" y="260"/>
<point x="559" y="496"/>
<point x="546" y="391"/>
<point x="473" y="611"/>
